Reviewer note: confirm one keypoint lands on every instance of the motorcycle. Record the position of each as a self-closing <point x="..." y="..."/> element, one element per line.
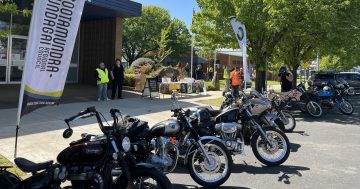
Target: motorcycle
<point x="334" y="95"/>
<point x="301" y="99"/>
<point x="265" y="112"/>
<point x="88" y="163"/>
<point x="167" y="143"/>
<point x="238" y="127"/>
<point x="278" y="107"/>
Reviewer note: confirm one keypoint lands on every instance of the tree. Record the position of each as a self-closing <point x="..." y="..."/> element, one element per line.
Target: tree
<point x="163" y="51"/>
<point x="179" y="39"/>
<point x="314" y="26"/>
<point x="141" y="35"/>
<point x="212" y="27"/>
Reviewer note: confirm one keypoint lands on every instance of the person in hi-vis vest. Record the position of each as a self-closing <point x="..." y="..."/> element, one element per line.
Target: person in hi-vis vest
<point x="102" y="79"/>
<point x="235" y="81"/>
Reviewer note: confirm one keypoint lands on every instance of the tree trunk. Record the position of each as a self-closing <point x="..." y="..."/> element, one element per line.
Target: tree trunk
<point x="293" y="71"/>
<point x="215" y="81"/>
<point x="260" y="80"/>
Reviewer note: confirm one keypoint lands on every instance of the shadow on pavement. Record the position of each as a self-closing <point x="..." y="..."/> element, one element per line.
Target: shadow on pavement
<point x="294" y="147"/>
<point x="285" y="171"/>
<point x="333" y="115"/>
<point x="180" y="186"/>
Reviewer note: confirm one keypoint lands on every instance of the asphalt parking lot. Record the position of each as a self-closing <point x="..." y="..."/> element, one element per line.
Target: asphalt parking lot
<point x="324" y="154"/>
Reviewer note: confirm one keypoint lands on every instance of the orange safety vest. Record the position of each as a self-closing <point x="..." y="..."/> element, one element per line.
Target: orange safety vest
<point x="235" y="78"/>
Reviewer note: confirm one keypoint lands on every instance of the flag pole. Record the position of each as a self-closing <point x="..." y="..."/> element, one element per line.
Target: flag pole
<point x="22" y="87"/>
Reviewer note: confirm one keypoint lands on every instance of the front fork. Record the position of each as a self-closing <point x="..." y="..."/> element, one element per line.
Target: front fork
<point x="259" y="128"/>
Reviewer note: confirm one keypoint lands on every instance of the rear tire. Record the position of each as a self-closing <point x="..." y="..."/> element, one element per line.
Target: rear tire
<point x="149" y="173"/>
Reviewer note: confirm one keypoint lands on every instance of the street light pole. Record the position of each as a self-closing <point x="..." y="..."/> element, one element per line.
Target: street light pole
<point x="192" y="57"/>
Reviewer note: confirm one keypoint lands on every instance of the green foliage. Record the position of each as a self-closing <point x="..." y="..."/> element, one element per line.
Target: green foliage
<point x="129" y="70"/>
<point x="283" y="32"/>
<point x="330" y="63"/>
<point x="154" y="31"/>
<point x="207" y="54"/>
<point x="8" y="6"/>
<point x="163" y="51"/>
<point x="129" y="80"/>
<point x="179" y="39"/>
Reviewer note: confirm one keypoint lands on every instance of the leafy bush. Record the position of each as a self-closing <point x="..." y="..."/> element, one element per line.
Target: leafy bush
<point x="210" y="87"/>
<point x="129" y="80"/>
<point x="129" y="70"/>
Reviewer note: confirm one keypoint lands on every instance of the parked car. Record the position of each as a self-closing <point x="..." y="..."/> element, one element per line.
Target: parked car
<point x="353" y="78"/>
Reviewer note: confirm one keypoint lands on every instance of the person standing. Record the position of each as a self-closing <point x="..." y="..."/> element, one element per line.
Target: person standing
<point x="235" y="81"/>
<point x="199" y="72"/>
<point x="286" y="79"/>
<point x="117" y="76"/>
<point x="187" y="69"/>
<point x="102" y="79"/>
<point x="210" y="72"/>
<point x="226" y="78"/>
<point x="242" y="81"/>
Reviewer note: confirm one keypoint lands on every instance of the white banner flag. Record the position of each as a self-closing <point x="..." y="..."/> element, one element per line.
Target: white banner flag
<point x="53" y="29"/>
<point x="240" y="33"/>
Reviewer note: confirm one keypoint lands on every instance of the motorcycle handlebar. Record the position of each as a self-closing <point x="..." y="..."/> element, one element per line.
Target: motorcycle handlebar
<point x="88" y="110"/>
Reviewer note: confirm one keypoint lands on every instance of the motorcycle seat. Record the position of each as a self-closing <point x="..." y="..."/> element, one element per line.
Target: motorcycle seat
<point x="30" y="167"/>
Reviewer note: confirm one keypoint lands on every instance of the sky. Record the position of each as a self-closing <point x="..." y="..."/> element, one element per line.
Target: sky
<point x="181" y="9"/>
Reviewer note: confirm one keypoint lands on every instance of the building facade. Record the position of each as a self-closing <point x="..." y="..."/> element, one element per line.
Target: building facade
<point x="99" y="39"/>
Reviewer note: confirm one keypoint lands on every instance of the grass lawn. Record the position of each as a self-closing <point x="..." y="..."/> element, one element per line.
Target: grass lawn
<point x="269" y="82"/>
<point x="15" y="170"/>
<point x="212" y="102"/>
<point x="222" y="84"/>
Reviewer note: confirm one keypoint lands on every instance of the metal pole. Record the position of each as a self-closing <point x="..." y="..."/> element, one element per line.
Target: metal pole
<point x="215" y="53"/>
<point x="318" y="63"/>
<point x="192" y="57"/>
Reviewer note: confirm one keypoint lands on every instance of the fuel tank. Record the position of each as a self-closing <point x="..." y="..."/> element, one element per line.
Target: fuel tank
<point x="259" y="106"/>
<point x="230" y="115"/>
<point x="87" y="152"/>
<point x="165" y="128"/>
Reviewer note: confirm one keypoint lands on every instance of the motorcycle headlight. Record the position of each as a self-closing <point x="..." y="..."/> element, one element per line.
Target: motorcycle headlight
<point x="125" y="144"/>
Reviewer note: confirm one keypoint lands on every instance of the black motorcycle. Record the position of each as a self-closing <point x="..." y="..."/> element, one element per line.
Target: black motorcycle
<point x="101" y="163"/>
<point x="166" y="143"/>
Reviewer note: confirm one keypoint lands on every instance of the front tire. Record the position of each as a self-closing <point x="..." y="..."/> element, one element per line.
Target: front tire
<point x="198" y="165"/>
<point x="288" y="121"/>
<point x="314" y="109"/>
<point x="262" y="150"/>
<point x="346" y="107"/>
<point x="145" y="178"/>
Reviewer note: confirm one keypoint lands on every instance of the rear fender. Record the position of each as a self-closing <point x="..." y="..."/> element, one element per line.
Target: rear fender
<point x="8" y="180"/>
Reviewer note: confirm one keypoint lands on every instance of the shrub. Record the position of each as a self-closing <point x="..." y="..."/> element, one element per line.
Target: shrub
<point x="129" y="80"/>
<point x="210" y="87"/>
<point x="129" y="70"/>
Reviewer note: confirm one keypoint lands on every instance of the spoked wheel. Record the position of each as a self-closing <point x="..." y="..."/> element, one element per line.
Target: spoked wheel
<point x="274" y="154"/>
<point x="302" y="106"/>
<point x="346" y="107"/>
<point x="288" y="120"/>
<point x="213" y="172"/>
<point x="314" y="109"/>
<point x="145" y="178"/>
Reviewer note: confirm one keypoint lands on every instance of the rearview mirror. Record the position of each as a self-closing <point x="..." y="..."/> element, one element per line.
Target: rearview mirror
<point x="67" y="133"/>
